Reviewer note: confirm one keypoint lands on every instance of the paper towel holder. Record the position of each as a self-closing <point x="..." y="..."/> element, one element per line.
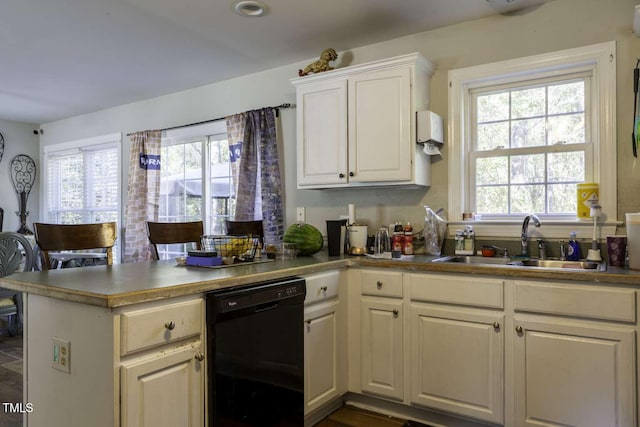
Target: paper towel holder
<point x="636" y="20"/>
<point x="429" y="132"/>
<point x="428" y="127"/>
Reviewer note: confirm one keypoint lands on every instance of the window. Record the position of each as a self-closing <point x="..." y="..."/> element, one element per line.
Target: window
<point x="529" y="147"/>
<point x="524" y="132"/>
<point x="195" y="169"/>
<point x="82" y="181"/>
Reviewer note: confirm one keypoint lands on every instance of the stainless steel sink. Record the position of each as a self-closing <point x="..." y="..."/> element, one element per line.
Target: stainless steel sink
<point x="474" y="260"/>
<point x="556" y="263"/>
<point x="528" y="263"/>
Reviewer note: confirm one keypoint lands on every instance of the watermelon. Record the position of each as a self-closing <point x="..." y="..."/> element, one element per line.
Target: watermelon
<point x="307" y="238"/>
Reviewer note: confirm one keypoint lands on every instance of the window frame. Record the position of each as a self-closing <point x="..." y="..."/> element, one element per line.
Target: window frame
<point x="205" y="135"/>
<point x="597" y="60"/>
<point x="47" y="150"/>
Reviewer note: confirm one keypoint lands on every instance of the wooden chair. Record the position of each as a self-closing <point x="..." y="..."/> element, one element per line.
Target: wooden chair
<point x="15" y="252"/>
<point x="167" y="233"/>
<point x="70" y="237"/>
<point x="241" y="228"/>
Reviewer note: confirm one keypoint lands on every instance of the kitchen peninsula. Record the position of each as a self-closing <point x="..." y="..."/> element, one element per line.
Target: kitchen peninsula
<point x="128" y="324"/>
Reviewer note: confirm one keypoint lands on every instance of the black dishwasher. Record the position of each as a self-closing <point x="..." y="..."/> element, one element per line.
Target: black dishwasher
<point x="255" y="355"/>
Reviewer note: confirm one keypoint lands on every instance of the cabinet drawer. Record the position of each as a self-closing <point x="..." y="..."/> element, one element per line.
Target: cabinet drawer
<point x="580" y="301"/>
<point x="322" y="286"/>
<point x="478" y="292"/>
<point x="163" y="324"/>
<point x="383" y="283"/>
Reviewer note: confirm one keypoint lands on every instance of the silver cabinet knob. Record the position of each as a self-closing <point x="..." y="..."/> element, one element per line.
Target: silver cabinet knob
<point x="379" y="284"/>
<point x="496" y="326"/>
<point x="199" y="356"/>
<point x="395" y="313"/>
<point x="519" y="329"/>
<point x="170" y="325"/>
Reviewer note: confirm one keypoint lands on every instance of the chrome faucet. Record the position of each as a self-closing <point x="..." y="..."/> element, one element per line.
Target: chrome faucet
<point x="525" y="228"/>
<point x="542" y="249"/>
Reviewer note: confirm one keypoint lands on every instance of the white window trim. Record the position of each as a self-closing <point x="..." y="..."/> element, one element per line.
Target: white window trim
<point x="75" y="145"/>
<point x="600" y="59"/>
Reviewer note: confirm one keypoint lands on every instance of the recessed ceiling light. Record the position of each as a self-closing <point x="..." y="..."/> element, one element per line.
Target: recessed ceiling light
<point x="250" y="8"/>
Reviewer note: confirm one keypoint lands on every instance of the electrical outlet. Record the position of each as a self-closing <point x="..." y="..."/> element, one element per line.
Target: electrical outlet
<point x="61" y="357"/>
<point x="300" y="214"/>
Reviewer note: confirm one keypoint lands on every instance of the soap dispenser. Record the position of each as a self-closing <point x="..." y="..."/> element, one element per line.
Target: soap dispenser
<point x="573" y="248"/>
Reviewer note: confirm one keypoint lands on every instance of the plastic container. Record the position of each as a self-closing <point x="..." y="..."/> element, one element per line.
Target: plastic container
<point x="633" y="239"/>
<point x="587" y="196"/>
<point x="573" y="248"/>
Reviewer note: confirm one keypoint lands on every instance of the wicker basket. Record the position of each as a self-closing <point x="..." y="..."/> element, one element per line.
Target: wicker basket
<point x="231" y="246"/>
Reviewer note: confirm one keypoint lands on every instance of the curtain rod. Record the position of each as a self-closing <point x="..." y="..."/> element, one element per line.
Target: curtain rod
<point x="279" y="107"/>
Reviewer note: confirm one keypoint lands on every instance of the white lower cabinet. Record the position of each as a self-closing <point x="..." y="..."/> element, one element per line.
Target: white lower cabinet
<point x="382" y="344"/>
<point x="325" y="363"/>
<point x="164" y="389"/>
<point x="162" y="364"/>
<point x="577" y="371"/>
<point x="457" y="361"/>
<point x="573" y="375"/>
<point x="457" y="344"/>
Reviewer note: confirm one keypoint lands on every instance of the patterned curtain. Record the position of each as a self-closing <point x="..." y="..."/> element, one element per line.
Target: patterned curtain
<point x="235" y="136"/>
<point x="143" y="194"/>
<point x="257" y="170"/>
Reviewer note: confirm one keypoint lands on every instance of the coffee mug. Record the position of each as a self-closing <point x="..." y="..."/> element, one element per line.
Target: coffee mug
<point x="616" y="250"/>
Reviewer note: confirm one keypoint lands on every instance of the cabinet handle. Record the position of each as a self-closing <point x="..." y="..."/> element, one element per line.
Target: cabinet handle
<point x="379" y="284"/>
<point x="496" y="326"/>
<point x="351" y="174"/>
<point x="170" y="325"/>
<point x="519" y="329"/>
<point x="324" y="289"/>
<point x="341" y="176"/>
<point x="199" y="356"/>
<point x="395" y="313"/>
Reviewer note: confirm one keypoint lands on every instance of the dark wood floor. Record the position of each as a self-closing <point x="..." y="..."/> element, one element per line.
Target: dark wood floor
<point x="10" y="376"/>
<point x="349" y="416"/>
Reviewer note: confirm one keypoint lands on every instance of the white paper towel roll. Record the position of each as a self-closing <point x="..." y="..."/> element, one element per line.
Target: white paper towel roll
<point x="352" y="213"/>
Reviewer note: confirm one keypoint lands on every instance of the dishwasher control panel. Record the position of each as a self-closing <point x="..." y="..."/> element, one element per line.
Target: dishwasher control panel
<point x="258" y="294"/>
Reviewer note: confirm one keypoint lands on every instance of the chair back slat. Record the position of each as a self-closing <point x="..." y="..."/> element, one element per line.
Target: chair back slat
<point x="241" y="228"/>
<point x="15" y="251"/>
<point x="66" y="237"/>
<point x="168" y="233"/>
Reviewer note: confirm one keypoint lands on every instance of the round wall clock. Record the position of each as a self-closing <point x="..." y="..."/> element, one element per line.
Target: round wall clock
<point x="1" y="146"/>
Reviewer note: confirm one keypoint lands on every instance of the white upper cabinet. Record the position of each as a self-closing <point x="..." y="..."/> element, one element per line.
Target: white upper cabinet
<point x="356" y="125"/>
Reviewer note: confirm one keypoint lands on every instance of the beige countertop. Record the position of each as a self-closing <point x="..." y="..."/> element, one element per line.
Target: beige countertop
<point x="124" y="284"/>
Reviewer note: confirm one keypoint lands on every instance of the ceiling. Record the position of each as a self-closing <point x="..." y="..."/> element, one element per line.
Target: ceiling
<point x="62" y="58"/>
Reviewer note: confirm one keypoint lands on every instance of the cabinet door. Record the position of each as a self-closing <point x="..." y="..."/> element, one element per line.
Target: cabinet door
<point x="324" y="363"/>
<point x="166" y="389"/>
<point x="457" y="359"/>
<point x="380" y="145"/>
<point x="573" y="375"/>
<point x="382" y="347"/>
<point x="322" y="133"/>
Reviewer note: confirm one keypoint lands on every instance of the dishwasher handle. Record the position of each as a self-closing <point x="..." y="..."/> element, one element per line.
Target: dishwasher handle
<point x="265" y="307"/>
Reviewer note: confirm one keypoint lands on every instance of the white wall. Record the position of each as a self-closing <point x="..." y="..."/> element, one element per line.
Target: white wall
<point x="18" y="139"/>
<point x="559" y="24"/>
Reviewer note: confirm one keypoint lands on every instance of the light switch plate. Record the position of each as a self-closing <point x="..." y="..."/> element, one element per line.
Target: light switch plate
<point x="61" y="355"/>
<point x="301" y="214"/>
